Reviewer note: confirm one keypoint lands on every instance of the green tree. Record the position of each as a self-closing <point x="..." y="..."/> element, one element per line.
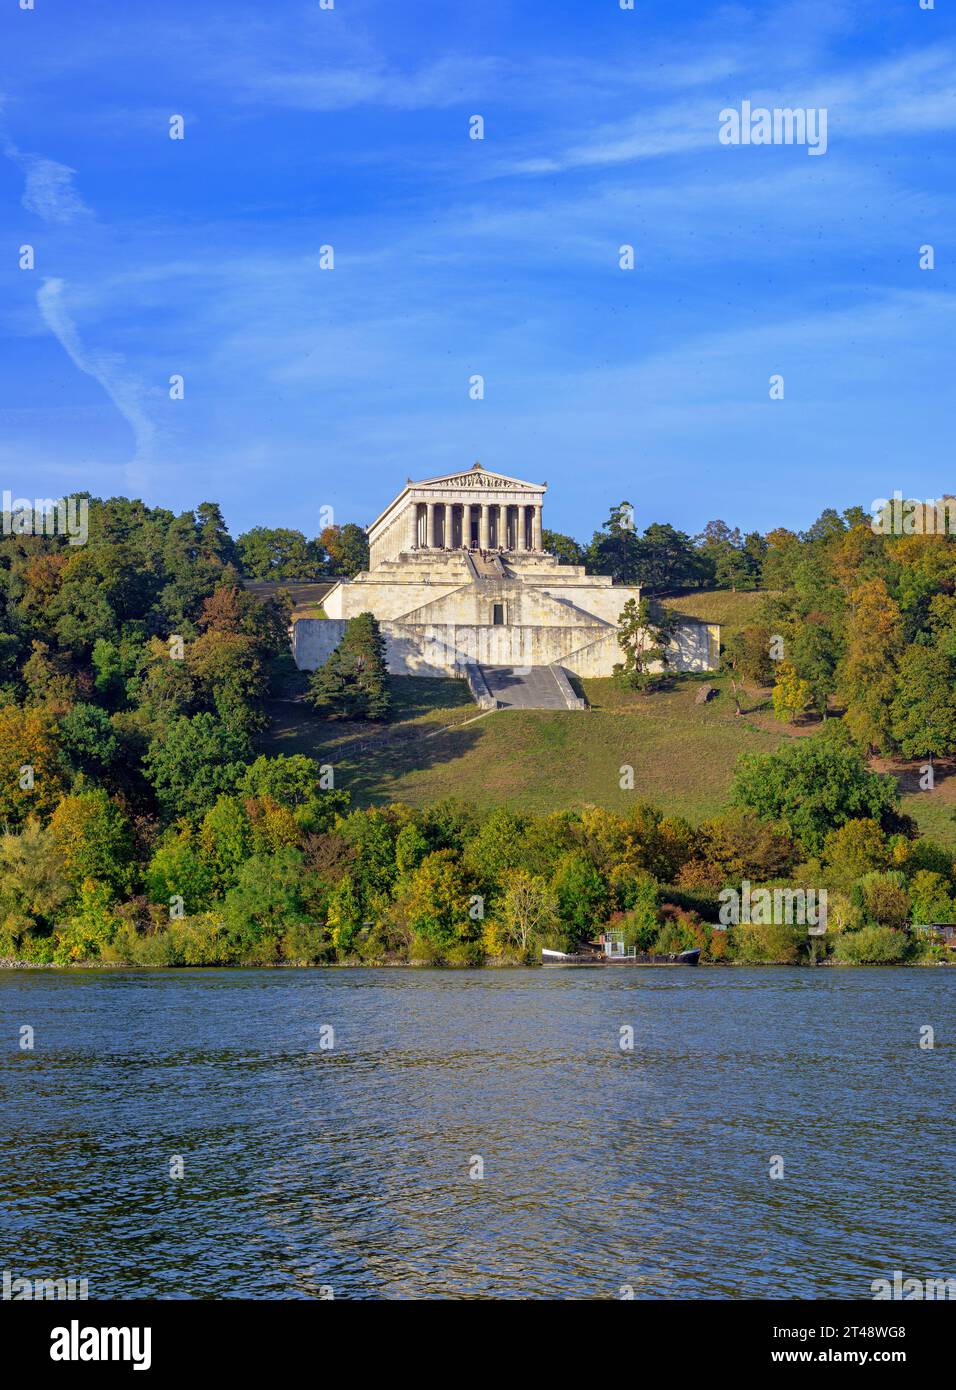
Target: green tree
<point x="353" y="683"/>
<point x="923" y="711"/>
<point x="178" y="870"/>
<point x="643" y="635"/>
<point x="565" y="548"/>
<point x="193" y="761"/>
<point x="615" y="549"/>
<point x="813" y="785"/>
<point x="95" y="839"/>
<point x="858" y="847"/>
<point x="583" y="896"/>
<point x="667" y="560"/>
<point x="814" y="653"/>
<point x="88" y="740"/>
<point x="279" y="553"/>
<point x="529" y="910"/>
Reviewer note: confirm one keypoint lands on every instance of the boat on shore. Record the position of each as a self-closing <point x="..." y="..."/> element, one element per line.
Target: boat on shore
<point x="615" y="958"/>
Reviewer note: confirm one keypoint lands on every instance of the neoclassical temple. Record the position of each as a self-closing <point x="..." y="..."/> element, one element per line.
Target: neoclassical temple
<point x="476" y="510"/>
<point x="461" y="583"/>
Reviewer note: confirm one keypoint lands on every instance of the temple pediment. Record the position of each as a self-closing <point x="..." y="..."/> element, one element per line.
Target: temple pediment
<point x="473" y="508"/>
<point x="477" y="480"/>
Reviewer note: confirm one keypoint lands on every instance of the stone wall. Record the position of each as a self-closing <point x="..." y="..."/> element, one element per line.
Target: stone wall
<point x="314" y="639"/>
<point x="444" y="649"/>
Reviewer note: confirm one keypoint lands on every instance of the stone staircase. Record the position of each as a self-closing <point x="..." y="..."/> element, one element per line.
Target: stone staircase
<point x="530" y="687"/>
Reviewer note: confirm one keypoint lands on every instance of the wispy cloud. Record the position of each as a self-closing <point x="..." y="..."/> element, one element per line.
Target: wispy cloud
<point x="49" y="190"/>
<point x="109" y="369"/>
<point x="913" y="92"/>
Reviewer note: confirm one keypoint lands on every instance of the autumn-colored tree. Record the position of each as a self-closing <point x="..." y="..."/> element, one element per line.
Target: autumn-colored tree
<point x="32" y="778"/>
<point x="95" y="839"/>
<point x="791" y="695"/>
<point x="529" y="910"/>
<point x="867" y="677"/>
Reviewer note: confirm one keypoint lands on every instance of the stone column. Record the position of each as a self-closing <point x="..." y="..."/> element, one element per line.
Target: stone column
<point x="503" y="526"/>
<point x="484" y="526"/>
<point x="446" y="535"/>
<point x="430" y="525"/>
<point x="536" y="542"/>
<point x="412" y="537"/>
<point x="466" y="525"/>
<point x="522" y="528"/>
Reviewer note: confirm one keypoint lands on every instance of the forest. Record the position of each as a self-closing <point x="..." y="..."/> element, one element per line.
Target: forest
<point x="142" y="823"/>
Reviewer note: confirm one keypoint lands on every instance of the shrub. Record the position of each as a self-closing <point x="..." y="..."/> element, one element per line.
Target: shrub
<point x="871" y="946"/>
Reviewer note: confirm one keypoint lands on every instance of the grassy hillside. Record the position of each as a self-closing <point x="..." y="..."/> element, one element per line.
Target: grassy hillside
<point x="682" y="753"/>
<point x="732" y="611"/>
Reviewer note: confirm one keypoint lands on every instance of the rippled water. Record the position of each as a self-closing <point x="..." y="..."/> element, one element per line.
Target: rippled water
<point x="602" y="1168"/>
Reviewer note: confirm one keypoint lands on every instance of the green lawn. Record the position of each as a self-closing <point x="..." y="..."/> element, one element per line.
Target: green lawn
<point x="732" y="611"/>
<point x="682" y="753"/>
<point x="439" y="744"/>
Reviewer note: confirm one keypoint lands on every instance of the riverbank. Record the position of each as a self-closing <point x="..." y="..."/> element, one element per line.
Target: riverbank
<point x="10" y="964"/>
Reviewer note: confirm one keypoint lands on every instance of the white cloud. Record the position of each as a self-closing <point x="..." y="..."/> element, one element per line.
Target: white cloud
<point x="49" y="191"/>
<point x="106" y="368"/>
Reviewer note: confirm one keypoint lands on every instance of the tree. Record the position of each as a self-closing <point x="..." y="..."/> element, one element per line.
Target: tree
<point x="279" y="553"/>
<point x="859" y="847"/>
<point x="868" y="671"/>
<point x="34" y="888"/>
<point x="791" y="695"/>
<point x="615" y="549"/>
<point x="295" y="782"/>
<point x="178" y="870"/>
<point x="529" y="909"/>
<point x="267" y="899"/>
<point x="88" y="740"/>
<point x="932" y="898"/>
<point x="668" y="560"/>
<point x="437" y="902"/>
<point x="353" y="681"/>
<point x="95" y="840"/>
<point x="496" y="849"/>
<point x="583" y="896"/>
<point x="193" y="761"/>
<point x="643" y="635"/>
<point x="813" y="653"/>
<point x="814" y="786"/>
<point x="565" y="548"/>
<point x="723" y="548"/>
<point x="923" y="711"/>
<point x="31" y="775"/>
<point x="344" y="914"/>
<point x="225" y="839"/>
<point x="347" y="549"/>
<point x="748" y="655"/>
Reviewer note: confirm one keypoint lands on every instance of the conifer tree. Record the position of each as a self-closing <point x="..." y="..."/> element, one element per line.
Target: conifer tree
<point x="353" y="682"/>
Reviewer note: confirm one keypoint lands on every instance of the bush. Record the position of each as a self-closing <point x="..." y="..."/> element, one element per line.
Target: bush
<point x="754" y="943"/>
<point x="871" y="946"/>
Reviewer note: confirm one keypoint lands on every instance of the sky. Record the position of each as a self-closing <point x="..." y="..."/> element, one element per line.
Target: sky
<point x="307" y="127"/>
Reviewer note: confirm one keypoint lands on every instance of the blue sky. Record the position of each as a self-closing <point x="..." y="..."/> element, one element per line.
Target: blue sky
<point x="305" y="127"/>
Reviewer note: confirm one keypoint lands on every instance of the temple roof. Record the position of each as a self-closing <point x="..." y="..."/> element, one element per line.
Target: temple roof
<point x="468" y="477"/>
